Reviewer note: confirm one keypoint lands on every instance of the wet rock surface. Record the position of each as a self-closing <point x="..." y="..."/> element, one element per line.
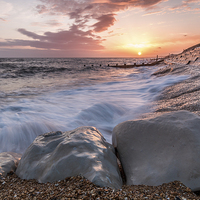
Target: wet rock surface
<point x="12" y="187"/>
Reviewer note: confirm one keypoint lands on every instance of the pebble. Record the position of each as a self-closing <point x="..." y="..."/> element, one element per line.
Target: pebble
<point x="80" y="188"/>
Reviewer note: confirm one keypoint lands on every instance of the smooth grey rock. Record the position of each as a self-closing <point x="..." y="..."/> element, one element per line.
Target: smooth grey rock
<point x="83" y="151"/>
<point x="160" y="150"/>
<point x="8" y="162"/>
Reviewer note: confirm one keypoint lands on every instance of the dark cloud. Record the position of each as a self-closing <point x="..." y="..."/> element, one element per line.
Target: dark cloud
<point x="31" y="34"/>
<point x="104" y="22"/>
<point x="73" y="39"/>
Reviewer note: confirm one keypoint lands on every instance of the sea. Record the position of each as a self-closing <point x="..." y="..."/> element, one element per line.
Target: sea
<point x="40" y="95"/>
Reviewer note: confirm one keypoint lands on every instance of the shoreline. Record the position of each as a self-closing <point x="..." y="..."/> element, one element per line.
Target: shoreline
<point x="181" y="96"/>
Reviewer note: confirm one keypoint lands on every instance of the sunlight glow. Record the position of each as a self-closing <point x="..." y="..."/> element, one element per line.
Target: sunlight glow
<point x="139" y="53"/>
<point x="137" y="45"/>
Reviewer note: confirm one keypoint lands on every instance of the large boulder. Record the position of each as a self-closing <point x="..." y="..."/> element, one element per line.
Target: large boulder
<point x="160" y="150"/>
<point x="83" y="151"/>
<point x="8" y="162"/>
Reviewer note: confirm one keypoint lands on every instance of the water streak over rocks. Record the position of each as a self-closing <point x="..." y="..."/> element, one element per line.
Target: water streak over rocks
<point x="55" y="156"/>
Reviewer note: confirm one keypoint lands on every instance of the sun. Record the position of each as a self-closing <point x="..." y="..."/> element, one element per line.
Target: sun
<point x="139" y="53"/>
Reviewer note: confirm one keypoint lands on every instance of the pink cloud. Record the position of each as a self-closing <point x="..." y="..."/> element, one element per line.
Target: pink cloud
<point x="104" y="22"/>
<point x="83" y="11"/>
<point x="73" y="39"/>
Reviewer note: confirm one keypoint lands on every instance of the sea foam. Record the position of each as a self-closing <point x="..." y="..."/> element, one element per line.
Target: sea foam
<point x="101" y="98"/>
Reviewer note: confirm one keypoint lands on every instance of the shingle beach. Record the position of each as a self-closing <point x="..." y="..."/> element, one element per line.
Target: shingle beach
<point x="78" y="187"/>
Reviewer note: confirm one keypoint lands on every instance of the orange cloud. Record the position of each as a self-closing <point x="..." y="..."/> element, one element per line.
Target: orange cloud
<point x="153" y="13"/>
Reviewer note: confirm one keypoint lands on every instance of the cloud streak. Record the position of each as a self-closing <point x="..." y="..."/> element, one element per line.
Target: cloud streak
<point x="73" y="39"/>
<point x="153" y="13"/>
<point x="186" y="6"/>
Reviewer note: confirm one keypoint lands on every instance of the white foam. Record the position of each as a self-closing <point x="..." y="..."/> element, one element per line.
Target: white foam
<point x="103" y="105"/>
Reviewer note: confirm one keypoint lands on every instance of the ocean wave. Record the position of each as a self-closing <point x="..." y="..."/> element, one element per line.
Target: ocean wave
<point x="63" y="94"/>
<point x="18" y="72"/>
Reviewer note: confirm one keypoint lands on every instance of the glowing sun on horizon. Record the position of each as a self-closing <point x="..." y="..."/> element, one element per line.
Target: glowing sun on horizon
<point x="139" y="53"/>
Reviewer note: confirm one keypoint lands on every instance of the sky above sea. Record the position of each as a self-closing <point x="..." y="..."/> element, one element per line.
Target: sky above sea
<point x="97" y="28"/>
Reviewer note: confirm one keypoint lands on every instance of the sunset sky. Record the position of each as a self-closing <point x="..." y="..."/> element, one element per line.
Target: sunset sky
<point x="97" y="28"/>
